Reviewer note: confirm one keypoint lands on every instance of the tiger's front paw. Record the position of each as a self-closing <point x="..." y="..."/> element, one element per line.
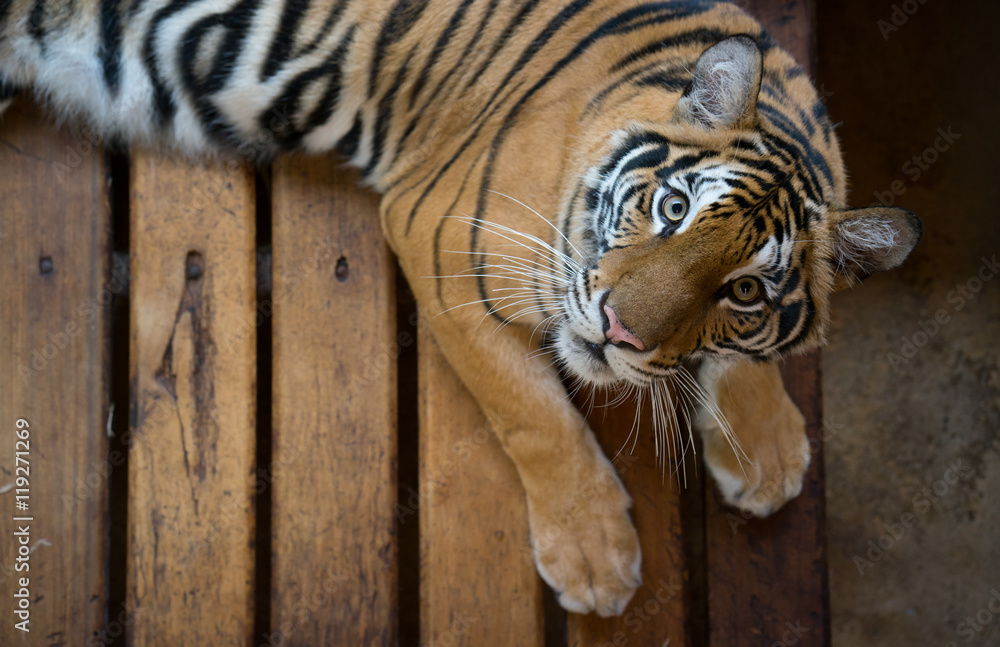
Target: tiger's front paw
<point x="769" y="431"/>
<point x="588" y="550"/>
<point x="777" y="458"/>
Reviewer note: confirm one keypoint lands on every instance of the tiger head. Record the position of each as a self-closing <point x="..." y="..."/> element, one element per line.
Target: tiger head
<point x="718" y="229"/>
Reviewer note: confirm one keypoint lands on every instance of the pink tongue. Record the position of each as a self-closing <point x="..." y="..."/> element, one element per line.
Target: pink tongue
<point x="617" y="332"/>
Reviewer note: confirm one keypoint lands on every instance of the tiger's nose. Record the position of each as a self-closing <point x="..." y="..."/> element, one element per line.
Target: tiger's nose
<point x="616" y="333"/>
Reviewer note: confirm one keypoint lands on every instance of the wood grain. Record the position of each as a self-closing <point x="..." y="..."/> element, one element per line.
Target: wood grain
<point x="193" y="363"/>
<point x="334" y="416"/>
<point x="55" y="373"/>
<point x="659" y="611"/>
<point x="767" y="579"/>
<point x="478" y="584"/>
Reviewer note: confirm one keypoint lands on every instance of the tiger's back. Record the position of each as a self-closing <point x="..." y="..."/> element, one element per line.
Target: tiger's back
<point x="378" y="81"/>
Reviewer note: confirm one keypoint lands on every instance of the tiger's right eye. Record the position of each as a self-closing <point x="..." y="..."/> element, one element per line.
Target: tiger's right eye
<point x="673" y="207"/>
<point x="747" y="290"/>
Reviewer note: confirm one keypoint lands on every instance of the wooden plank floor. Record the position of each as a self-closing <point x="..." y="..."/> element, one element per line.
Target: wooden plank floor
<point x="334" y="419"/>
<point x="54" y="374"/>
<point x="192" y="413"/>
<point x="256" y="472"/>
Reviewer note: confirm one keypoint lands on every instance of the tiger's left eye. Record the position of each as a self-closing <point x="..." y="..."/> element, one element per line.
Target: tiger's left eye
<point x="747" y="289"/>
<point x="674" y="207"/>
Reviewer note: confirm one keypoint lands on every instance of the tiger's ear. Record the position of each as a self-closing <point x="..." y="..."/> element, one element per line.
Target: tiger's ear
<point x="871" y="240"/>
<point x="723" y="93"/>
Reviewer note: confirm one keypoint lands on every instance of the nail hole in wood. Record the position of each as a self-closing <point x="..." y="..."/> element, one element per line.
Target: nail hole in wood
<point x="45" y="265"/>
<point x="342" y="271"/>
<point x="193" y="267"/>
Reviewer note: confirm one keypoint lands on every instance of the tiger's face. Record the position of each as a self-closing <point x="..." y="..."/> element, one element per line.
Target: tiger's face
<point x="712" y="234"/>
<point x="693" y="254"/>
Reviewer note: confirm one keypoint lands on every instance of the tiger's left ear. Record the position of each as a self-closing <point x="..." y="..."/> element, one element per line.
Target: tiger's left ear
<point x="723" y="92"/>
<point x="871" y="240"/>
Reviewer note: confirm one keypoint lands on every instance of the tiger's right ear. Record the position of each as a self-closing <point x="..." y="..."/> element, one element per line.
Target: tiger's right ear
<point x="723" y="92"/>
<point x="874" y="239"/>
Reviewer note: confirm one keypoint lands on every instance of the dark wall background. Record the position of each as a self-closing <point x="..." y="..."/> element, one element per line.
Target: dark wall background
<point x="913" y="457"/>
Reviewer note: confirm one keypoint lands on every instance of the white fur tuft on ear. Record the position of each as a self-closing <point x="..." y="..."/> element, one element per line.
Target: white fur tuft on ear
<point x="859" y="239"/>
<point x="711" y="104"/>
<point x="723" y="92"/>
<point x="872" y="240"/>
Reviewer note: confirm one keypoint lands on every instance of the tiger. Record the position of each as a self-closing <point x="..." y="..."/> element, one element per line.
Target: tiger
<point x="639" y="195"/>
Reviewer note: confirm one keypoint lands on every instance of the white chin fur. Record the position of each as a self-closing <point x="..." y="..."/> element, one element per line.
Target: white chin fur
<point x="579" y="362"/>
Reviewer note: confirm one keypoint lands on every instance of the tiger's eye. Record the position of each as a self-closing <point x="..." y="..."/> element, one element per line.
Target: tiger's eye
<point x="746" y="289"/>
<point x="674" y="207"/>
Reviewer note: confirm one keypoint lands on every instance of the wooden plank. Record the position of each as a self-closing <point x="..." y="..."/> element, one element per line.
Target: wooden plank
<point x="54" y="305"/>
<point x="193" y="364"/>
<point x="478" y="584"/>
<point x="767" y="579"/>
<point x="334" y="416"/>
<point x="658" y="613"/>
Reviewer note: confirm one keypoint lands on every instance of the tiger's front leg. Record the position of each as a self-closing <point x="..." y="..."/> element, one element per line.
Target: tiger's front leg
<point x="583" y="541"/>
<point x="769" y="429"/>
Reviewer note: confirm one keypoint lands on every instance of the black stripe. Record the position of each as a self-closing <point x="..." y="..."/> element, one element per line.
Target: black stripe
<point x="442" y="221"/>
<point x="384" y="115"/>
<point x="281" y="46"/>
<point x="110" y="51"/>
<point x="665" y="80"/>
<point x="808" y="152"/>
<point x="810" y="316"/>
<point x="290" y="135"/>
<point x="4" y="10"/>
<point x="707" y="37"/>
<point x="682" y="163"/>
<point x="163" y="103"/>
<point x="646" y="159"/>
<point x="441" y="84"/>
<point x="36" y="22"/>
<point x="8" y="90"/>
<point x="331" y="97"/>
<point x="403" y="15"/>
<point x="236" y="22"/>
<point x="747" y="335"/>
<point x="601" y="96"/>
<point x="567" y="221"/>
<point x="348" y="144"/>
<point x="439" y="47"/>
<point x="505" y="35"/>
<point x="460" y="62"/>
<point x="634" y="141"/>
<point x="542" y="39"/>
<point x="788" y="318"/>
<point x="135" y="7"/>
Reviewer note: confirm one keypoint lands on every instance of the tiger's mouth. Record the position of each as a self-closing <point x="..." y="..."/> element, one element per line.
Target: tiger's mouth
<point x="601" y="362"/>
